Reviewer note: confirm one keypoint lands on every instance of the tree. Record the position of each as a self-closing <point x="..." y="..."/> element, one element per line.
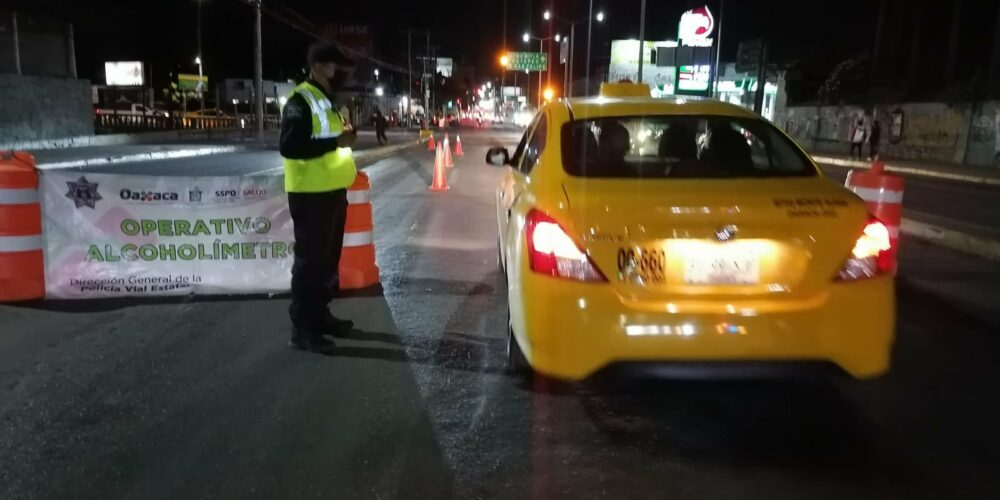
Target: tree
<point x="847" y="81"/>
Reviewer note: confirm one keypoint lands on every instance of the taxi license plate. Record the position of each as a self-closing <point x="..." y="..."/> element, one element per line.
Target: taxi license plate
<point x="722" y="268"/>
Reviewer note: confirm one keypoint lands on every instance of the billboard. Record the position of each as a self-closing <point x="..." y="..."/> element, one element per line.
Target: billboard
<point x="627" y="51"/>
<point x="625" y="64"/>
<point x="445" y="66"/>
<point x="123" y="73"/>
<point x="193" y="83"/>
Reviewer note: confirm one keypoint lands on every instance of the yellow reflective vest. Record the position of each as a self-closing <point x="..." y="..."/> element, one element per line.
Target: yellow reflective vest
<point x="332" y="171"/>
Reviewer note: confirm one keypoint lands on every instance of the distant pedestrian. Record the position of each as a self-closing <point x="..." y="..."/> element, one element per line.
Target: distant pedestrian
<point x="873" y="139"/>
<point x="380" y="126"/>
<point x="857" y="138"/>
<point x="314" y="143"/>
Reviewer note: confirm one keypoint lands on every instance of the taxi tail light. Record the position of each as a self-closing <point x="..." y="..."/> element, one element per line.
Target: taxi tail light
<point x="872" y="254"/>
<point x="551" y="251"/>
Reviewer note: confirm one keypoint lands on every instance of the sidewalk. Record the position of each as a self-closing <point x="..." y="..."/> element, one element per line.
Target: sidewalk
<point x="922" y="168"/>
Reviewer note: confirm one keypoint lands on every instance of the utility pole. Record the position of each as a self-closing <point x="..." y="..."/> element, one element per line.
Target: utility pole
<point x="71" y="47"/>
<point x="259" y="72"/>
<point x="953" y="42"/>
<point x="427" y="79"/>
<point x="758" y="97"/>
<point x="548" y="63"/>
<point x="503" y="45"/>
<point x="642" y="38"/>
<point x="713" y="89"/>
<point x="876" y="72"/>
<point x="17" y="42"/>
<point x="572" y="54"/>
<point x="409" y="76"/>
<point x="590" y="32"/>
<point x="201" y="85"/>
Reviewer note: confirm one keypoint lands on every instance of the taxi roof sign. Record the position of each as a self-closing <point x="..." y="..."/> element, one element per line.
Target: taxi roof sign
<point x="625" y="89"/>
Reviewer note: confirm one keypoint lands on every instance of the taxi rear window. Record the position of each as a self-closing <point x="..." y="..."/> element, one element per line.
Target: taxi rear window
<point x="680" y="147"/>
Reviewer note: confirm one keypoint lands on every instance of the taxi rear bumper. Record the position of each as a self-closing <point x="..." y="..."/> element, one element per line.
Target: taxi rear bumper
<point x="571" y="330"/>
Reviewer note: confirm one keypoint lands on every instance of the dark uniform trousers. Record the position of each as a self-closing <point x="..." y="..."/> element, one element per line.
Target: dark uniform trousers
<point x="319" y="220"/>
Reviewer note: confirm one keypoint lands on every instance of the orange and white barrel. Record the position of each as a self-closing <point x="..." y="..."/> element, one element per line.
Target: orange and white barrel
<point x="883" y="195"/>
<point x="22" y="266"/>
<point x="357" y="261"/>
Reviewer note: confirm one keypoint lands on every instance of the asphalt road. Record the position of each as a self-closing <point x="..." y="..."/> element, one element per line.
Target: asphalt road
<point x="200" y="398"/>
<point x="963" y="206"/>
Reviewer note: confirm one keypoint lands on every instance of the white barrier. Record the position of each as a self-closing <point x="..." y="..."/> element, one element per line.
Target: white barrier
<point x="117" y="235"/>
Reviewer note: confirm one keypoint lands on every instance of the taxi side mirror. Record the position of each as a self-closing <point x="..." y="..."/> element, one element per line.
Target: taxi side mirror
<point x="498" y="156"/>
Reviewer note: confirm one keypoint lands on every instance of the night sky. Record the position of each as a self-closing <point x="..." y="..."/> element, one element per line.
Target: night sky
<point x="163" y="32"/>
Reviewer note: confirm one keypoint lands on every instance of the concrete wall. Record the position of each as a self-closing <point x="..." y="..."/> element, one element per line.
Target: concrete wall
<point x="35" y="108"/>
<point x="966" y="133"/>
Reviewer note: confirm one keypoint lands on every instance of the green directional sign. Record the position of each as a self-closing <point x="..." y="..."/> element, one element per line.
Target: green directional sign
<point x="528" y="61"/>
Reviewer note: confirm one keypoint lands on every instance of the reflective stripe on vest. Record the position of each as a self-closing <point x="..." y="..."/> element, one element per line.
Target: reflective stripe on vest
<point x="327" y="123"/>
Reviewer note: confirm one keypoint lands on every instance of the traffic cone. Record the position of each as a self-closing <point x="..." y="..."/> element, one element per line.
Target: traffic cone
<point x="458" y="146"/>
<point x="447" y="153"/>
<point x="430" y="143"/>
<point x="440" y="182"/>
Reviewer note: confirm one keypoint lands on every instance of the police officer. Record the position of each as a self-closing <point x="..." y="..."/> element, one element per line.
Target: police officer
<point x="315" y="145"/>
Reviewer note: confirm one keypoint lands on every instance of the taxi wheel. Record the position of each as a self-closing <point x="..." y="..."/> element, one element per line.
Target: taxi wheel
<point x="517" y="364"/>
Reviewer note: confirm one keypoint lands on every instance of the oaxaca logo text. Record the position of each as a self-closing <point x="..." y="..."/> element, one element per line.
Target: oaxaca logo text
<point x="147" y="196"/>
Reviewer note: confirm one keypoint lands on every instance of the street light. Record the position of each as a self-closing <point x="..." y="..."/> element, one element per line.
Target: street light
<point x="379" y="91"/>
<point x="541" y="48"/>
<point x="376" y="74"/>
<point x="590" y="32"/>
<point x="568" y="75"/>
<point x="201" y="93"/>
<point x="558" y="38"/>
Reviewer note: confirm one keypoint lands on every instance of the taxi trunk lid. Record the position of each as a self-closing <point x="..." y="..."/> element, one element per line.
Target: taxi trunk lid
<point x="741" y="238"/>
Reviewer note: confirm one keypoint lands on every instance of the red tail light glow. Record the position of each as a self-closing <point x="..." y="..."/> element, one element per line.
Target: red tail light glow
<point x="872" y="254"/>
<point x="551" y="251"/>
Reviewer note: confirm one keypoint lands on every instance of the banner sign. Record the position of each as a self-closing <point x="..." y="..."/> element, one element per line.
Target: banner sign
<point x="144" y="236"/>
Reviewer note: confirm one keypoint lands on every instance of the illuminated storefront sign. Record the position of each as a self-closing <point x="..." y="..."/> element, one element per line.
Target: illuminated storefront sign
<point x="693" y="78"/>
<point x="696" y="28"/>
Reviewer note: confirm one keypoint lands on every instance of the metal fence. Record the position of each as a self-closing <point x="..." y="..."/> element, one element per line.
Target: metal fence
<point x="108" y="123"/>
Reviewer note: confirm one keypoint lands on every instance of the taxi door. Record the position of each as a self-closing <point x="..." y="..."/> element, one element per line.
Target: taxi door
<point x="515" y="181"/>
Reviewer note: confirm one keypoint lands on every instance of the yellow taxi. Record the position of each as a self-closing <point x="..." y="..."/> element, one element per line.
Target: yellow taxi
<point x="684" y="235"/>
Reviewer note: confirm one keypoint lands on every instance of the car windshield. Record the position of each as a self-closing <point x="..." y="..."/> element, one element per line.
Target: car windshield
<point x="679" y="147"/>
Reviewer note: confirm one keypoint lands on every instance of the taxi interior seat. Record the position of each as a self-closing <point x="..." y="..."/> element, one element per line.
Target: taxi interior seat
<point x="612" y="146"/>
<point x="678" y="143"/>
<point x="727" y="152"/>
